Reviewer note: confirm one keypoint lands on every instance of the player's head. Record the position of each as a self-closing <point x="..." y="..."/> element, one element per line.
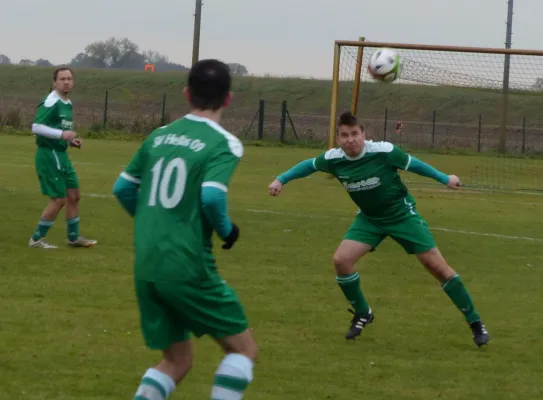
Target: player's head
<point x="63" y="80"/>
<point x="209" y="86"/>
<point x="350" y="134"/>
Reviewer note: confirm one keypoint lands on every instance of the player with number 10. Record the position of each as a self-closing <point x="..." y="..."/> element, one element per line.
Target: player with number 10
<point x="175" y="186"/>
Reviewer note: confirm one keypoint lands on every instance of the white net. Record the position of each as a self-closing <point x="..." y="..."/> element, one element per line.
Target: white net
<point x="453" y="101"/>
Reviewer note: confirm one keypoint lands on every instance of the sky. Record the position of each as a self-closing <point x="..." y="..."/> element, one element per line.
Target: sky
<point x="278" y="37"/>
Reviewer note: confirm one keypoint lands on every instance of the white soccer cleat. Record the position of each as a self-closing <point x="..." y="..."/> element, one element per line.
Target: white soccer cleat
<point x="82" y="242"/>
<point x="41" y="244"/>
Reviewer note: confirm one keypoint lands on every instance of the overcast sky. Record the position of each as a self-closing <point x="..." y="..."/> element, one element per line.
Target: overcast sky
<point x="280" y="37"/>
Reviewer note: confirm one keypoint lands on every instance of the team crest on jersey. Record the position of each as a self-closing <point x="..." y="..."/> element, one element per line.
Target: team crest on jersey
<point x="64" y="124"/>
<point x="364" y="184"/>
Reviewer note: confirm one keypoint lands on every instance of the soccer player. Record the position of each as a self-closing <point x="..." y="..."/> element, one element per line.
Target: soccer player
<point x="175" y="186"/>
<point x="58" y="180"/>
<point x="369" y="173"/>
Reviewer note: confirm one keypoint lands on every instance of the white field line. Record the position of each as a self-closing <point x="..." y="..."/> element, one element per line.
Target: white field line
<point x="288" y="214"/>
<point x="462" y="232"/>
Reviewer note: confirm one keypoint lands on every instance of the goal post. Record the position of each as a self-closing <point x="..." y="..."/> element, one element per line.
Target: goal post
<point x="474" y="99"/>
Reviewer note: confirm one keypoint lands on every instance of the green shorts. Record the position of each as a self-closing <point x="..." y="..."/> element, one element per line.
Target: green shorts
<point x="171" y="311"/>
<point x="412" y="233"/>
<point x="55" y="172"/>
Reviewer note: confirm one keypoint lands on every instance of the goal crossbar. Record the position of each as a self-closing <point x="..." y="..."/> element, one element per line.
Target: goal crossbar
<point x="362" y="44"/>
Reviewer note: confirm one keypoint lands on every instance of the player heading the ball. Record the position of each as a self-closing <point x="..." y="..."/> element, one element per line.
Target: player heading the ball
<point x="368" y="172"/>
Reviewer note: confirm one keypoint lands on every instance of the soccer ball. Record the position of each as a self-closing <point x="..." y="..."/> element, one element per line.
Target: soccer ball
<point x="384" y="65"/>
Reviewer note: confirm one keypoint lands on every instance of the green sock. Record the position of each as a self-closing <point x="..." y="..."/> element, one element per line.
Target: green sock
<point x="42" y="229"/>
<point x="350" y="285"/>
<point x="73" y="228"/>
<point x="457" y="292"/>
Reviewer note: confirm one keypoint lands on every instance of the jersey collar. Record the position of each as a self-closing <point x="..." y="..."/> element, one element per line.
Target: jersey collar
<point x="358" y="157"/>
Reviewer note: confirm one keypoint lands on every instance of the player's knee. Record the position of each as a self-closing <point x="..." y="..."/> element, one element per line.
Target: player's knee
<point x="74" y="196"/>
<point x="59" y="202"/>
<point x="241" y="344"/>
<point x="343" y="263"/>
<point x="434" y="262"/>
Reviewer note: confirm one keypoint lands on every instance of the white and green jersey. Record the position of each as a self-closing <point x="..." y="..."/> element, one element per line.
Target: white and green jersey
<point x="53" y="116"/>
<point x="372" y="179"/>
<point x="171" y="233"/>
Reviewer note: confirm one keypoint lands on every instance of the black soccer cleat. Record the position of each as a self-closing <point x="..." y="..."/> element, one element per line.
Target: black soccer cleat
<point x="358" y="323"/>
<point x="480" y="334"/>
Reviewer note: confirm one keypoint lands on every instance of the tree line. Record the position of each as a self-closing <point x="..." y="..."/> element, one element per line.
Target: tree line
<point x="116" y="53"/>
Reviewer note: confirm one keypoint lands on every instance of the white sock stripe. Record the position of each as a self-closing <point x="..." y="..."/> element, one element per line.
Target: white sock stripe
<point x="149" y="392"/>
<point x="221" y="393"/>
<point x="346" y="279"/>
<point x="164" y="380"/>
<point x="239" y="363"/>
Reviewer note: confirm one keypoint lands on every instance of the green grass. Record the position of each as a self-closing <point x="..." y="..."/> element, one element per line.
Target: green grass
<point x="70" y="324"/>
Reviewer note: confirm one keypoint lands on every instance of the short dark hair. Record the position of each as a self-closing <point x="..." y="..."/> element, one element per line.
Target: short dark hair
<point x="209" y="84"/>
<point x="60" y="69"/>
<point x="347" y="118"/>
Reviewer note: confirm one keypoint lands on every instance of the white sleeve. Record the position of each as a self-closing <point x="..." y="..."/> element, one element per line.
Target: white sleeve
<point x="46" y="131"/>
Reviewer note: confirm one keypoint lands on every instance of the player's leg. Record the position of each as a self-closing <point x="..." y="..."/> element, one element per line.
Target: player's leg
<point x="361" y="238"/>
<point x="455" y="289"/>
<point x="163" y="330"/>
<point x="214" y="309"/>
<point x="235" y="372"/>
<point x="53" y="186"/>
<point x="415" y="237"/>
<point x="72" y="208"/>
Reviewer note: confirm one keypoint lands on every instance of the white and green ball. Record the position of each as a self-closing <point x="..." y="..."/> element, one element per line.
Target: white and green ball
<point x="384" y="65"/>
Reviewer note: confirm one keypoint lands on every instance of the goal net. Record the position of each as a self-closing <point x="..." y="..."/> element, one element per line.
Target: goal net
<point x="451" y="99"/>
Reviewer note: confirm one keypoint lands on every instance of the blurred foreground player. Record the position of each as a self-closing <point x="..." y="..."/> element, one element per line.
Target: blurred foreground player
<point x="175" y="186"/>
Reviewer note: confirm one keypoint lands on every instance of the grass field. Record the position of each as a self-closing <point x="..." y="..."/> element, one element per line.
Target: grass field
<point x="70" y="329"/>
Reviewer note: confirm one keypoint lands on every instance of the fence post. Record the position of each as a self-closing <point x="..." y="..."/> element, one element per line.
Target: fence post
<point x="261" y="119"/>
<point x="283" y="121"/>
<point x="479" y="133"/>
<point x="523" y="134"/>
<point x="386" y="123"/>
<point x="433" y="129"/>
<point x="163" y="109"/>
<point x="105" y="109"/>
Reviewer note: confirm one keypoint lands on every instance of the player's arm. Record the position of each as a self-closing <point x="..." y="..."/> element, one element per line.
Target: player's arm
<point x="402" y="160"/>
<point x="214" y="193"/>
<point x="127" y="184"/>
<point x="300" y="170"/>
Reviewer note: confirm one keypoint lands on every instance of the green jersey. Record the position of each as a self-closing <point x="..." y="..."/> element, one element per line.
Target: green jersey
<point x="372" y="179"/>
<point x="172" y="236"/>
<point x="56" y="113"/>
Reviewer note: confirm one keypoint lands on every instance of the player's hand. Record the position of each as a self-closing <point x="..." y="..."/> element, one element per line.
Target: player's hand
<point x="231" y="238"/>
<point x="454" y="182"/>
<point x="77" y="143"/>
<point x="275" y="188"/>
<point x="68" y="135"/>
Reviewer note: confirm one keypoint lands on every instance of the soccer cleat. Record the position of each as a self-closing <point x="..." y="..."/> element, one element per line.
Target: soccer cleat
<point x="82" y="242"/>
<point x="358" y="323"/>
<point x="480" y="334"/>
<point x="41" y="244"/>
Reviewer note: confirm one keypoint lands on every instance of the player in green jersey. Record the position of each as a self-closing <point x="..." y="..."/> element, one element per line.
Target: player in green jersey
<point x="369" y="173"/>
<point x="175" y="186"/>
<point x="58" y="180"/>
